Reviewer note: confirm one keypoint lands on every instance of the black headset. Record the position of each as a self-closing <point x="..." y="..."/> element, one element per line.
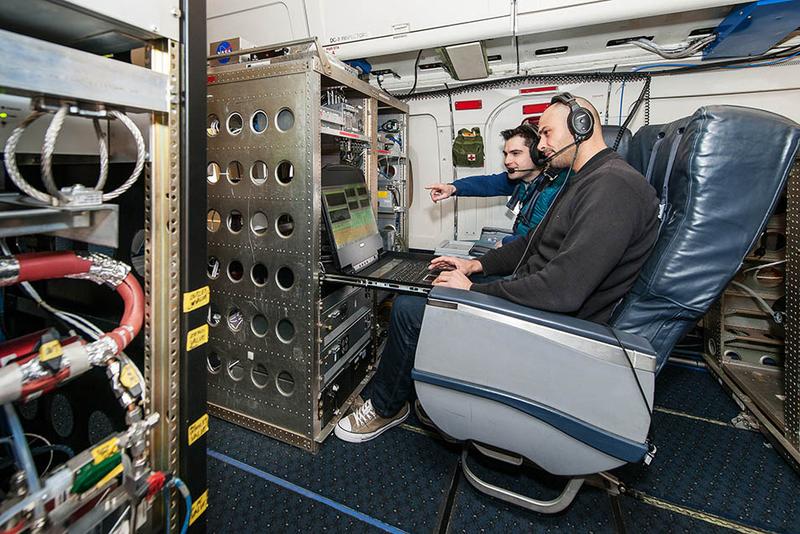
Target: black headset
<point x="580" y="120"/>
<point x="538" y="159"/>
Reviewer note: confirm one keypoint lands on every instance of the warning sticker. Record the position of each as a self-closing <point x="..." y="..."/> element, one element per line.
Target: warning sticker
<point x="198" y="507"/>
<point x="198" y="428"/>
<point x="197" y="337"/>
<point x="105" y="450"/>
<point x="50" y="350"/>
<point x="196" y="299"/>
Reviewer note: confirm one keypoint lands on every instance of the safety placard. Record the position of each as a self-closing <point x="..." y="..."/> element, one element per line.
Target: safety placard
<point x="105" y="450"/>
<point x="198" y="507"/>
<point x="197" y="337"/>
<point x="198" y="428"/>
<point x="50" y="350"/>
<point x="196" y="299"/>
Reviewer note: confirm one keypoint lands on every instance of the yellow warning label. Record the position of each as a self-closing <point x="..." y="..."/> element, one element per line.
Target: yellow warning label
<point x="128" y="377"/>
<point x="105" y="450"/>
<point x="198" y="507"/>
<point x="197" y="337"/>
<point x="196" y="299"/>
<point x="50" y="350"/>
<point x="383" y="194"/>
<point x="198" y="428"/>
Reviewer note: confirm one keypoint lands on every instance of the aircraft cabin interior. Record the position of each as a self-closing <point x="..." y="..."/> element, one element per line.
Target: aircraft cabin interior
<point x="451" y="267"/>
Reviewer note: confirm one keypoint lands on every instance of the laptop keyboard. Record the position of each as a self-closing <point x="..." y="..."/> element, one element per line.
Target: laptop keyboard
<point x="411" y="271"/>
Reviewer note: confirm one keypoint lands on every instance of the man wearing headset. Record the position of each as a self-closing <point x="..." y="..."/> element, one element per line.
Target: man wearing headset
<point x="530" y="190"/>
<point x="581" y="260"/>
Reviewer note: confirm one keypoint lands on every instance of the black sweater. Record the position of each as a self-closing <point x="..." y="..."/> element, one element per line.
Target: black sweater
<point x="588" y="250"/>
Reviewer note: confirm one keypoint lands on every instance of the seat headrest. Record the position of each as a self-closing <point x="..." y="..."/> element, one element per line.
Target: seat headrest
<point x="610" y="136"/>
<point x="728" y="169"/>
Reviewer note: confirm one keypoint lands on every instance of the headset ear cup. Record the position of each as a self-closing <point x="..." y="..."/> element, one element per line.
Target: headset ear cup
<point x="538" y="159"/>
<point x="581" y="123"/>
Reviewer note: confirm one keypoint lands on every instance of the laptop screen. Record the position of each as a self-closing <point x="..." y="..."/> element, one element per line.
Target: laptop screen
<point x="349" y="215"/>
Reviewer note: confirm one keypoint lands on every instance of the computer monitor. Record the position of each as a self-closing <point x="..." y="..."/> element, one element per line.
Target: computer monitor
<point x="349" y="216"/>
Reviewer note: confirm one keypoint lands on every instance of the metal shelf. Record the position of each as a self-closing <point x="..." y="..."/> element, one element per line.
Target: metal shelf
<point x="91" y="224"/>
<point x="344" y="134"/>
<point x="34" y="67"/>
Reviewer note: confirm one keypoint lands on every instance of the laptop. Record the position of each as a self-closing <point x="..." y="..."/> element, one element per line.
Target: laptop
<point x="356" y="245"/>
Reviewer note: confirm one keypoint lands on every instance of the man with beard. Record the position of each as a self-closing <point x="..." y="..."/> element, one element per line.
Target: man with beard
<point x="581" y="260"/>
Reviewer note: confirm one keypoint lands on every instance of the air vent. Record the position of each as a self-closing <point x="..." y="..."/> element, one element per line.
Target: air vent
<point x="551" y="51"/>
<point x="429" y="66"/>
<point x="626" y="40"/>
<point x="494" y="57"/>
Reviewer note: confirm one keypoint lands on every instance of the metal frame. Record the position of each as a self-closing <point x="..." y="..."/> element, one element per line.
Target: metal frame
<point x="249" y="400"/>
<point x="172" y="89"/>
<point x="31" y="69"/>
<point x="754" y="386"/>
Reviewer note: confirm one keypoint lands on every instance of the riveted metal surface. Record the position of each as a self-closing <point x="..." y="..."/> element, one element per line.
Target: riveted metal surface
<point x="792" y="356"/>
<point x="258" y="377"/>
<point x="265" y="353"/>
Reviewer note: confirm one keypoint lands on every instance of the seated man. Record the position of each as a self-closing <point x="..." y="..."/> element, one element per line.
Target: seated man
<point x="581" y="260"/>
<point x="531" y="191"/>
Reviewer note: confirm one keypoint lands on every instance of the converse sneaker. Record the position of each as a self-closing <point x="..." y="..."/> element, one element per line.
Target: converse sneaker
<point x="364" y="424"/>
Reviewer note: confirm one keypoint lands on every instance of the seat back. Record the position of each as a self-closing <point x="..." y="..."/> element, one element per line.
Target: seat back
<point x="724" y="169"/>
<point x="610" y="137"/>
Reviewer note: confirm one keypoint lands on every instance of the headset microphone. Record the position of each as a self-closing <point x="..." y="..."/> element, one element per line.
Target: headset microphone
<point x="546" y="160"/>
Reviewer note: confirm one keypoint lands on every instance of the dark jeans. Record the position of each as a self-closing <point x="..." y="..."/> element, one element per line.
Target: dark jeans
<point x="392" y="385"/>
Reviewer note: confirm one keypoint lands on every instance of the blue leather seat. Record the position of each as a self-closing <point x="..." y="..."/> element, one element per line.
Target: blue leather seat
<point x="564" y="393"/>
<point x="726" y="174"/>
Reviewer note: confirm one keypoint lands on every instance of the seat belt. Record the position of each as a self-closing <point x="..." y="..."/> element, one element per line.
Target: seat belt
<point x="652" y="162"/>
<point x="664" y="207"/>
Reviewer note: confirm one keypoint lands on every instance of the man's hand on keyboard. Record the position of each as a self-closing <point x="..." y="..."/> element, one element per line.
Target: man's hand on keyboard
<point x="449" y="263"/>
<point x="454" y="279"/>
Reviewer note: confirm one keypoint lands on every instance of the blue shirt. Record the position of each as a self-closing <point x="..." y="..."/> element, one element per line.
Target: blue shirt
<point x="533" y="204"/>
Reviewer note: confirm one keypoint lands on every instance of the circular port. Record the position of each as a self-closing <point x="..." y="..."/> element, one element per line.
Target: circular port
<point x="285" y="278"/>
<point x="234" y="124"/>
<point x="259" y="275"/>
<point x="258" y="223"/>
<point x="235" y="271"/>
<point x="213" y="268"/>
<point x="259" y="376"/>
<point x="236" y="370"/>
<point x="235" y="319"/>
<point x="284" y="173"/>
<point x="285" y="330"/>
<point x="213" y="221"/>
<point x="284" y="225"/>
<point x="234" y="172"/>
<point x="259" y="121"/>
<point x="214" y="362"/>
<point x="235" y="221"/>
<point x="259" y="325"/>
<point x="259" y="172"/>
<point x="212" y="125"/>
<point x="285" y="383"/>
<point x="284" y="120"/>
<point x="213" y="172"/>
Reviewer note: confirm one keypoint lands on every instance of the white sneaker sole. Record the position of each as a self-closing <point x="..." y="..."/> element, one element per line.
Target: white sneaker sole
<point x="354" y="437"/>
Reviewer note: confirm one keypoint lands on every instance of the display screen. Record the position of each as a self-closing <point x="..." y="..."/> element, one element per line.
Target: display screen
<point x="350" y="213"/>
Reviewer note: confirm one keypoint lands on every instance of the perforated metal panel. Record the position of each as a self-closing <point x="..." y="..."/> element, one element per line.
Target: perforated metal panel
<point x="792" y="361"/>
<point x="262" y="351"/>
